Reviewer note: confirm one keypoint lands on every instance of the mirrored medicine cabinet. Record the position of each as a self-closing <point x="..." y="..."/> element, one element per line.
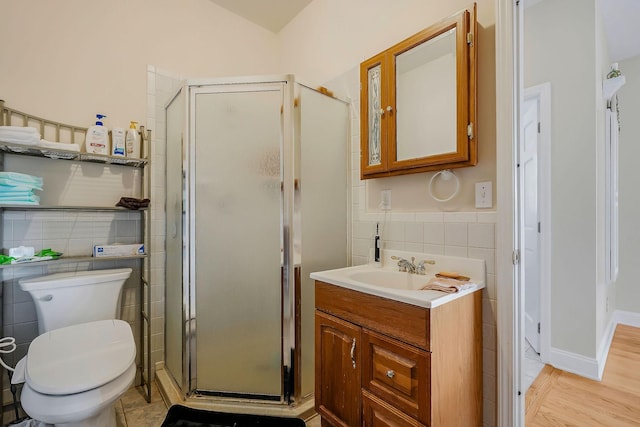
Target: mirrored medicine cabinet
<point x="418" y="101"/>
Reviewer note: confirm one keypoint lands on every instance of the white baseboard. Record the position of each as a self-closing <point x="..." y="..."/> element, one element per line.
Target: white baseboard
<point x="586" y="366"/>
<point x="627" y="318"/>
<point x="574" y="363"/>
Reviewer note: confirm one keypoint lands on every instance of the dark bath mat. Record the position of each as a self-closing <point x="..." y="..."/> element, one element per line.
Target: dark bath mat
<point x="182" y="416"/>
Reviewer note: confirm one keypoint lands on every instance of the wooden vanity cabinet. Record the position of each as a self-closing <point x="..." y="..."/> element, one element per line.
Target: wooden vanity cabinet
<point x="381" y="362"/>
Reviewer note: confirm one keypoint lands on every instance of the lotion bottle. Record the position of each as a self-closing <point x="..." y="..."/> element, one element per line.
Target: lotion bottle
<point x="118" y="142"/>
<point x="132" y="141"/>
<point x="97" y="139"/>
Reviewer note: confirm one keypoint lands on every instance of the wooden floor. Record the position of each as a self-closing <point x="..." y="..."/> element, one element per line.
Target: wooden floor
<point x="558" y="398"/>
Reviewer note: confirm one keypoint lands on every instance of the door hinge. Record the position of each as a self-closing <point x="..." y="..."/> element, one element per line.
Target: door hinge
<point x="515" y="256"/>
<point x="470" y="130"/>
<point x="538" y="227"/>
<point x="538" y="127"/>
<point x="470" y="39"/>
<point x="538" y="327"/>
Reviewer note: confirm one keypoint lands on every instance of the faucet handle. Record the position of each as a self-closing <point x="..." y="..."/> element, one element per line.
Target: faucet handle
<point x="421" y="268"/>
<point x="403" y="264"/>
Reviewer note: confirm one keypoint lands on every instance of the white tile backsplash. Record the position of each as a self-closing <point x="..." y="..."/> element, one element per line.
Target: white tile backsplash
<point x="414" y="232"/>
<point x="482" y="235"/>
<point x="455" y="234"/>
<point x="433" y="233"/>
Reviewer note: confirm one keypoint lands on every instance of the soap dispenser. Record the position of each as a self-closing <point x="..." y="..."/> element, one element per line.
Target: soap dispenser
<point x="132" y="141"/>
<point x="97" y="138"/>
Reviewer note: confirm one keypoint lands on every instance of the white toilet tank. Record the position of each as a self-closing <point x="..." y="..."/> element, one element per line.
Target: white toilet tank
<point x="66" y="299"/>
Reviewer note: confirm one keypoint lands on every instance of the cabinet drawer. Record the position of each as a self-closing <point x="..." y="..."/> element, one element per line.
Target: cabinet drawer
<point x="377" y="413"/>
<point x="397" y="373"/>
<point x="399" y="320"/>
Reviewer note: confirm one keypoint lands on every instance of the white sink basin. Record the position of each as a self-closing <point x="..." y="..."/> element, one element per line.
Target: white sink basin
<point x="388" y="282"/>
<point x="389" y="279"/>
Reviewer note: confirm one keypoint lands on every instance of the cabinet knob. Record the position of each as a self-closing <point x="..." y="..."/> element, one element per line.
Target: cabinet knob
<point x="389" y="109"/>
<point x="390" y="373"/>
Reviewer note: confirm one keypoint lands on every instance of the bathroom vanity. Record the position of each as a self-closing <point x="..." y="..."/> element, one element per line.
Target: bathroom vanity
<point x="397" y="356"/>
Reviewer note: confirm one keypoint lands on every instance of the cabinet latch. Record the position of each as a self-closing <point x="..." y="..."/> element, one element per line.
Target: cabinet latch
<point x="470" y="130"/>
<point x="470" y="39"/>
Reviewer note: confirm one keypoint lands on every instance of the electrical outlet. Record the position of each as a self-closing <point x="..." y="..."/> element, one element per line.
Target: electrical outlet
<point x="484" y="195"/>
<point x="385" y="200"/>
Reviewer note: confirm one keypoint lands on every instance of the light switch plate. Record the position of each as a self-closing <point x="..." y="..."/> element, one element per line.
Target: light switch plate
<point x="484" y="195"/>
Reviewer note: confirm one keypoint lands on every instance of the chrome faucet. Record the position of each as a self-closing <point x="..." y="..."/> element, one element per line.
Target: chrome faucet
<point x="410" y="266"/>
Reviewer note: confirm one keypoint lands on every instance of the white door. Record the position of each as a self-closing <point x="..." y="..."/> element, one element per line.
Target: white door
<point x="531" y="257"/>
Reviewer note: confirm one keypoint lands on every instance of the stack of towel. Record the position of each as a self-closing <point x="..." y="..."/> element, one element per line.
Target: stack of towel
<point x="17" y="188"/>
<point x="19" y="135"/>
<point x="31" y="136"/>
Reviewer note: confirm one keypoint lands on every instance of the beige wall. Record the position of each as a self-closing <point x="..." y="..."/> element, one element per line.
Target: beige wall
<point x="68" y="60"/>
<point x="564" y="45"/>
<point x="331" y="37"/>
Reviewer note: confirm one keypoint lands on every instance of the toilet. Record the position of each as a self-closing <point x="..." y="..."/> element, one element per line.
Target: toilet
<point x="83" y="361"/>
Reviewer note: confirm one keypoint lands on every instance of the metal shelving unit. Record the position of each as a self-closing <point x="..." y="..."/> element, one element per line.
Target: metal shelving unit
<point x="11" y="117"/>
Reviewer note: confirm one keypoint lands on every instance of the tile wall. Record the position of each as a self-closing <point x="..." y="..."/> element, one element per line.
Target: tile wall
<point x="161" y="87"/>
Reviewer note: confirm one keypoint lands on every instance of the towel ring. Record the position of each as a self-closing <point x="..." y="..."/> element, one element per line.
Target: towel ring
<point x="446" y="176"/>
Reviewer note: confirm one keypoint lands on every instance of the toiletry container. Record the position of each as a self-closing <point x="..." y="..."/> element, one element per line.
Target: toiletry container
<point x="97" y="139"/>
<point x="133" y="141"/>
<point x="118" y="147"/>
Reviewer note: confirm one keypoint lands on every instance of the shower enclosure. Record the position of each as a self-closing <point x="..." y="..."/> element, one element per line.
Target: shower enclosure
<point x="257" y="198"/>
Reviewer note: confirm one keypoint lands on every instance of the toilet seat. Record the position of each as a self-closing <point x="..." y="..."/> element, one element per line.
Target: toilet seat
<point x="56" y="409"/>
<point x="80" y="357"/>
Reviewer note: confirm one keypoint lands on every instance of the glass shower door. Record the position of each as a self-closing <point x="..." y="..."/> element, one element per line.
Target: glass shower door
<point x="236" y="249"/>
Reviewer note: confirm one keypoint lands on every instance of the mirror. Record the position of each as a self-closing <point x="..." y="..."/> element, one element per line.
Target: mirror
<point x="418" y="101"/>
<point x="425" y="107"/>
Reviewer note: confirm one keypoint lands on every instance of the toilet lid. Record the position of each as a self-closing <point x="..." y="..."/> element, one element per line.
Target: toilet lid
<point x="79" y="357"/>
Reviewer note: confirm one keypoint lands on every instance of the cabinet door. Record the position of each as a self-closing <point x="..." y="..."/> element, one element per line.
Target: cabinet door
<point x="337" y="371"/>
<point x="377" y="413"/>
<point x="376" y="123"/>
<point x="397" y="373"/>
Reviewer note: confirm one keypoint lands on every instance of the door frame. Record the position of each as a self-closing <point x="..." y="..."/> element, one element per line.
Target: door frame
<point x="510" y="400"/>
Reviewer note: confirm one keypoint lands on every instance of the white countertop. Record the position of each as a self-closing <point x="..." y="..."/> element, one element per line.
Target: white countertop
<point x="405" y="287"/>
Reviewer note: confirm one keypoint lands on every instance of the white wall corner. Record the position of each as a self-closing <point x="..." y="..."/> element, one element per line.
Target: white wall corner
<point x="629" y="318"/>
<point x="605" y="344"/>
<point x="575" y="363"/>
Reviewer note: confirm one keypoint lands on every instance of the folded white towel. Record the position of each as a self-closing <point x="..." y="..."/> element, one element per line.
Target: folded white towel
<point x="58" y="145"/>
<point x="19" y="129"/>
<point x="19" y="135"/>
<point x="33" y="140"/>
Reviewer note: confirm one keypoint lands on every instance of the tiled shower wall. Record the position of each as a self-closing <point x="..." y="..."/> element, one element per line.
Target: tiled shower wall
<point x="161" y="87"/>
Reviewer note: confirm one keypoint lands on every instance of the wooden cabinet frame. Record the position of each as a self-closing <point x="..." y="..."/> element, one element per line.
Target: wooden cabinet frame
<point x="466" y="153"/>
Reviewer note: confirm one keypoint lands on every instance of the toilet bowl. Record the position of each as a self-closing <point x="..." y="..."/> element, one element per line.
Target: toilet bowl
<point x="84" y="358"/>
<point x="73" y="375"/>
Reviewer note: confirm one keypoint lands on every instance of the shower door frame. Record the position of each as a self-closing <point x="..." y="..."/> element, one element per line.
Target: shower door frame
<point x="290" y="372"/>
